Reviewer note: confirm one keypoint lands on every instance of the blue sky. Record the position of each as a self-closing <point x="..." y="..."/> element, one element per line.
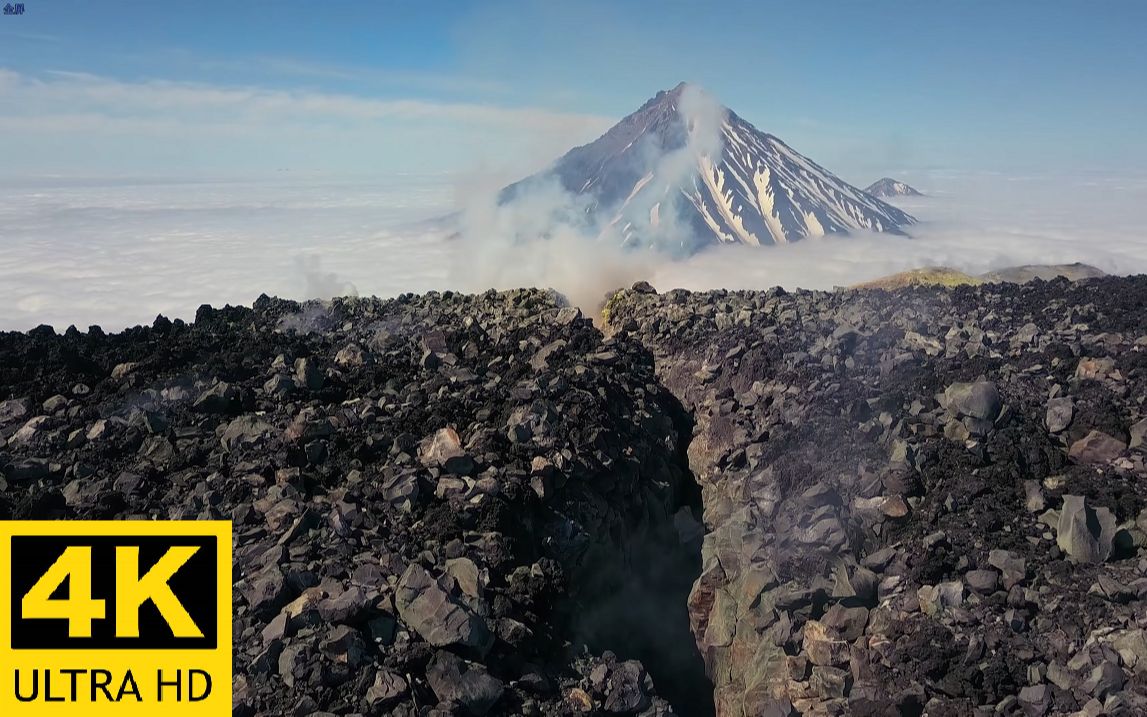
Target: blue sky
<point x="865" y="88"/>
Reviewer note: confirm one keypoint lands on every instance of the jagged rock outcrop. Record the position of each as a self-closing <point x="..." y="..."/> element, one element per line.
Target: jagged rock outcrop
<point x="1047" y="272"/>
<point x="431" y="496"/>
<point x="916" y="502"/>
<point x="947" y="276"/>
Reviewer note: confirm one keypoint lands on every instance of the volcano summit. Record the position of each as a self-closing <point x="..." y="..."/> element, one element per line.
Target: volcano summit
<point x="684" y="172"/>
<point x="888" y="187"/>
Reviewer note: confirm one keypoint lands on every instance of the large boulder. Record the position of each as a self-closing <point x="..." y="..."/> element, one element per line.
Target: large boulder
<point x="1086" y="534"/>
<point x="1138" y="433"/>
<point x="1097" y="447"/>
<point x="246" y="430"/>
<point x="444" y="449"/>
<point x="436" y="616"/>
<point x="1060" y="411"/>
<point x="979" y="399"/>
<point x="467" y="684"/>
<point x="13" y="409"/>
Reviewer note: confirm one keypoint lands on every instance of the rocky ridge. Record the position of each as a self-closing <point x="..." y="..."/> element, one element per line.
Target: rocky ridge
<point x="920" y="501"/>
<point x="927" y="501"/>
<point x="434" y="498"/>
<point x="947" y="276"/>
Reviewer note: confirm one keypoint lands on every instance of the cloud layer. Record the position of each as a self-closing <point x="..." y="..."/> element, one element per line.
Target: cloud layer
<point x="76" y="122"/>
<point x="118" y="253"/>
<point x="975" y="222"/>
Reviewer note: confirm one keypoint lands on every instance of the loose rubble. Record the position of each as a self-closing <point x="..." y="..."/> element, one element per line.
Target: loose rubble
<point x="863" y="502"/>
<point x="428" y="494"/>
<point x="921" y="501"/>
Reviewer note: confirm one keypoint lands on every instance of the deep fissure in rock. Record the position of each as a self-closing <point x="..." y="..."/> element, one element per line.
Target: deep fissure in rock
<point x="636" y="605"/>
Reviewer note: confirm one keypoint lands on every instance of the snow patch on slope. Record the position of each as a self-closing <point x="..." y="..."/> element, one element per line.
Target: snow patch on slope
<point x="715" y="179"/>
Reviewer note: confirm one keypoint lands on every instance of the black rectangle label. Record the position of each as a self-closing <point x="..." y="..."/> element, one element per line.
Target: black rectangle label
<point x="185" y="586"/>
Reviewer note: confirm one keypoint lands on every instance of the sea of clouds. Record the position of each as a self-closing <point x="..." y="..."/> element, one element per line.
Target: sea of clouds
<point x="118" y="252"/>
<point x="974" y="222"/>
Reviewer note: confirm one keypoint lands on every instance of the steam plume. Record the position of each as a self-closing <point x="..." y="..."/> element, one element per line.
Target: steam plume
<point x="548" y="235"/>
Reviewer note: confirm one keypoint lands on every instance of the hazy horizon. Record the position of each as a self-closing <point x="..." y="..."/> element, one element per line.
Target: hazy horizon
<point x="119" y="253"/>
<point x="155" y="158"/>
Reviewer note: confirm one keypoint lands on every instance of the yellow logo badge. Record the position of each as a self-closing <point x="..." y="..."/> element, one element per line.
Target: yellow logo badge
<point x="115" y="618"/>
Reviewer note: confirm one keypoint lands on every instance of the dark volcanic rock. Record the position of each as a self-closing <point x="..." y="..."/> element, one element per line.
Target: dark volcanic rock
<point x="979" y="400"/>
<point x="1097" y="447"/>
<point x="924" y="501"/>
<point x="455" y="681"/>
<point x="912" y="496"/>
<point x="395" y="548"/>
<point x="435" y="616"/>
<point x="1060" y="411"/>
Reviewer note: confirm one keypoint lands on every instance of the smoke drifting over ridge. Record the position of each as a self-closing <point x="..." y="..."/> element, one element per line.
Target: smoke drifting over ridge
<point x="320" y="284"/>
<point x="492" y="250"/>
<point x="658" y="214"/>
<point x="540" y="233"/>
<point x="973" y="222"/>
<point x="550" y="230"/>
